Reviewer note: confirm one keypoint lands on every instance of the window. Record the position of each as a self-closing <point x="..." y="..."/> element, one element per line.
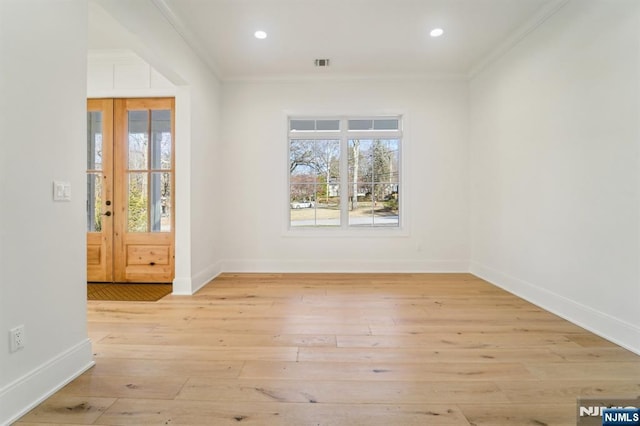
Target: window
<point x="344" y="173"/>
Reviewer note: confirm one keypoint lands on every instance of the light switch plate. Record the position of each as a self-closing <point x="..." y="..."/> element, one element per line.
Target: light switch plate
<point x="61" y="191"/>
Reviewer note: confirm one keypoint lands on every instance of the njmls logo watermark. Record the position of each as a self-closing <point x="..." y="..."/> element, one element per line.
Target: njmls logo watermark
<point x="608" y="412"/>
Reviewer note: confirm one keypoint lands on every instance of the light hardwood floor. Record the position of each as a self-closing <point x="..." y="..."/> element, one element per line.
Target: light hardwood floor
<point x="337" y="349"/>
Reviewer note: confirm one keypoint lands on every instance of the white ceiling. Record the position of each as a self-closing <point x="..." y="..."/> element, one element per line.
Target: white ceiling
<point x="360" y="37"/>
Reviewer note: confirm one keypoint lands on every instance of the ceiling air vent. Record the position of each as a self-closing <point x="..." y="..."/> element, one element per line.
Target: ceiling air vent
<point x="322" y="62"/>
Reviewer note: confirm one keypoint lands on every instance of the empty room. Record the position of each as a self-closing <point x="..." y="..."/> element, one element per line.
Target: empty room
<point x="365" y="211"/>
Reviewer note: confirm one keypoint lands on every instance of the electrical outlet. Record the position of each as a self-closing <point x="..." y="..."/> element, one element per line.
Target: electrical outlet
<point x="17" y="338"/>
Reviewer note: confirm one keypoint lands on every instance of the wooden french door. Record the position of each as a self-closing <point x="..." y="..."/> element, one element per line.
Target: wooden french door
<point x="130" y="190"/>
<point x="100" y="190"/>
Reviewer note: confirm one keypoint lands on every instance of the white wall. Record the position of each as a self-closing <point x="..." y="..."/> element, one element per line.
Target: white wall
<point x="141" y="27"/>
<point x="255" y="200"/>
<point x="121" y="73"/>
<point x="555" y="134"/>
<point x="42" y="243"/>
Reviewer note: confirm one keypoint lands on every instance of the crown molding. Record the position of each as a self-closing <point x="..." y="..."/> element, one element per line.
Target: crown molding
<point x="196" y="44"/>
<point x="113" y="55"/>
<point x="517" y="36"/>
<point x="303" y="78"/>
<point x="192" y="40"/>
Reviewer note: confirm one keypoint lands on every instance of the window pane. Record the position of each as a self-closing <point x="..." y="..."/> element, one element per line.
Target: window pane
<point x="386" y="124"/>
<point x="302" y="125"/>
<point x="314" y="195"/>
<point x="94" y="140"/>
<point x="360" y="124"/>
<point x="314" y="161"/>
<point x="161" y="139"/>
<point x="384" y="157"/>
<point x="94" y="202"/>
<point x="327" y="125"/>
<point x="160" y="202"/>
<point x="138" y="129"/>
<point x="362" y="215"/>
<point x="301" y="195"/>
<point x="137" y="217"/>
<point x="373" y="182"/>
<point x="314" y="205"/>
<point x="385" y="212"/>
<point x="301" y="159"/>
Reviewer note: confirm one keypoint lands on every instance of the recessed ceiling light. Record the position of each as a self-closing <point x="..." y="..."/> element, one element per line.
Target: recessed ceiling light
<point x="436" y="32"/>
<point x="260" y="34"/>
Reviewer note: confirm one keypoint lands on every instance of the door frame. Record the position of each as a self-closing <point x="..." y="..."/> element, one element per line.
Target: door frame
<point x="114" y="236"/>
<point x="123" y="240"/>
<point x="100" y="244"/>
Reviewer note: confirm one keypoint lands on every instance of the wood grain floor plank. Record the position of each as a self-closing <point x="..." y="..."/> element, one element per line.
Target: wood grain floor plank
<point x="166" y="368"/>
<point x="95" y="385"/>
<point x="579" y="370"/>
<point x="418" y="355"/>
<point x="454" y="340"/>
<point x="60" y="409"/>
<point x="520" y="414"/>
<point x="609" y="353"/>
<point x="367" y="371"/>
<point x="221" y="339"/>
<point x="338" y="349"/>
<point x="341" y="391"/>
<point x="196" y="352"/>
<point x="136" y="412"/>
<point x="565" y="391"/>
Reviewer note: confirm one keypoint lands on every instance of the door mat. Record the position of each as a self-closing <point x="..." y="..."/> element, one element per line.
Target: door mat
<point x="128" y="292"/>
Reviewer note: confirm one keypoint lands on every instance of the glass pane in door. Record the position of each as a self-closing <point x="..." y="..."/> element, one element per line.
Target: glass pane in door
<point x="161" y="139"/>
<point x="138" y="211"/>
<point x="160" y="202"/>
<point x="149" y="152"/>
<point x="94" y="164"/>
<point x="138" y="129"/>
<point x="94" y="202"/>
<point x="94" y="140"/>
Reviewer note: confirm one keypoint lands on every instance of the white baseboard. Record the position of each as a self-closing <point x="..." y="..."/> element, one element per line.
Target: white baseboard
<point x="23" y="394"/>
<point x="189" y="286"/>
<point x="203" y="277"/>
<point x="182" y="286"/>
<point x="613" y="329"/>
<point x="345" y="266"/>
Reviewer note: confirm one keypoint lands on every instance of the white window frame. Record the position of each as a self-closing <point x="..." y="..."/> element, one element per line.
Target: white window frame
<point x="344" y="135"/>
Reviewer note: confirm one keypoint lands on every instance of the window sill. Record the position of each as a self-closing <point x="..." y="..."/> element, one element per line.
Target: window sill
<point x="346" y="233"/>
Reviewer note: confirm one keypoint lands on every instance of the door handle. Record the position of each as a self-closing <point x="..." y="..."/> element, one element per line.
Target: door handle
<point x="107" y="214"/>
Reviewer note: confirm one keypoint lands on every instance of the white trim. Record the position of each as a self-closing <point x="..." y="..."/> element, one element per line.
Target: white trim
<point x="133" y="93"/>
<point x="113" y="56"/>
<point x="188" y="286"/>
<point x="182" y="286"/>
<point x="300" y="78"/>
<point x="20" y="396"/>
<point x="183" y="281"/>
<point x="193" y="41"/>
<point x="203" y="277"/>
<point x="346" y="266"/>
<point x="297" y="78"/>
<point x="517" y="36"/>
<point x="188" y="36"/>
<point x="617" y="331"/>
<point x="344" y="135"/>
<point x="347" y="232"/>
